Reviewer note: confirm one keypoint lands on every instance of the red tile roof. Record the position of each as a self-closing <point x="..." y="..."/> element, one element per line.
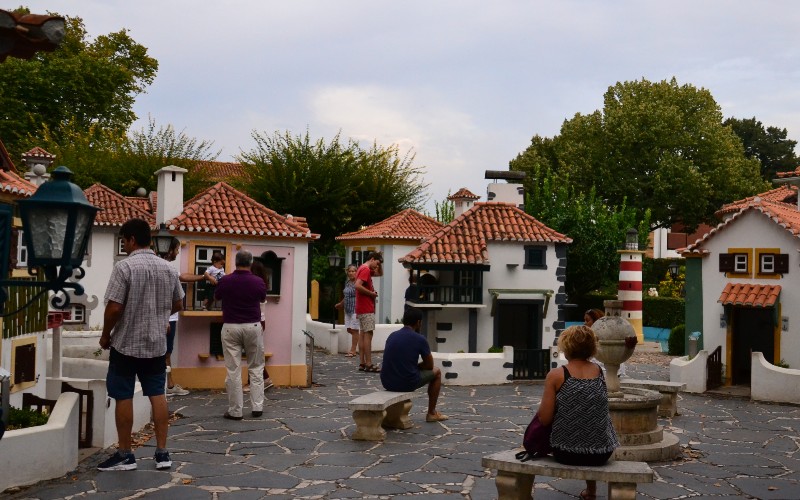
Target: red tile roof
<point x="223" y="209"/>
<point x="792" y="173"/>
<point x="12" y="183"/>
<point x="463" y="193"/>
<point x="465" y="239"/>
<point x="784" y="215"/>
<point x="219" y="171"/>
<point x="784" y="194"/>
<point x="37" y="152"/>
<point x="144" y="202"/>
<point x="752" y="295"/>
<point x="116" y="208"/>
<point x="406" y="225"/>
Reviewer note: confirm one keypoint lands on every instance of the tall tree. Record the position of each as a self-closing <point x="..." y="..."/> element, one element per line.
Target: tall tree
<point x="125" y="162"/>
<point x="769" y="145"/>
<point x="660" y="146"/>
<point x="338" y="186"/>
<point x="83" y="82"/>
<point x="597" y="229"/>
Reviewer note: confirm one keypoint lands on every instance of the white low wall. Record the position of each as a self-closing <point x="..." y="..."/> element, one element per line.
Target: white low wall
<point x="773" y="383"/>
<point x="690" y="372"/>
<point x="43" y="452"/>
<point x="475" y="368"/>
<point x="337" y="340"/>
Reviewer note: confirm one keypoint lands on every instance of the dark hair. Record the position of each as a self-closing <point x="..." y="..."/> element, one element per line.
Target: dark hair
<point x="411" y="316"/>
<point x="217" y="256"/>
<point x="377" y="256"/>
<point x="259" y="269"/>
<point x="137" y="229"/>
<point x="595" y="314"/>
<point x="174" y="243"/>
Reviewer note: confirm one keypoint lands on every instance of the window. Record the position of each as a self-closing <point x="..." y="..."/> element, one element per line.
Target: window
<point x="535" y="257"/>
<point x="740" y="263"/>
<point x="120" y="247"/>
<point x="355" y="258"/>
<point x="767" y="264"/>
<point x="22" y="251"/>
<point x="202" y="260"/>
<point x="77" y="314"/>
<point x="273" y="264"/>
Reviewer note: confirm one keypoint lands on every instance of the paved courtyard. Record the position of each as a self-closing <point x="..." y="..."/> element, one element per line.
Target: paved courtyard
<point x="299" y="448"/>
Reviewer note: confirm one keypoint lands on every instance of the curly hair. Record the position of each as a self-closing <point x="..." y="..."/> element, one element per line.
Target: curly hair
<point x="578" y="342"/>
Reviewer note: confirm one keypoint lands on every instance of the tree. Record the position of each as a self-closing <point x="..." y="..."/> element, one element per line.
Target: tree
<point x="338" y="186"/>
<point x="660" y="146"/>
<point x="444" y="211"/>
<point x="768" y="145"/>
<point x="125" y="162"/>
<point x="81" y="84"/>
<point x="597" y="229"/>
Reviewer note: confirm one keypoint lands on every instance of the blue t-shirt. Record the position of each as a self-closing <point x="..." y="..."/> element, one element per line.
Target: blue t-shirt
<point x="400" y="368"/>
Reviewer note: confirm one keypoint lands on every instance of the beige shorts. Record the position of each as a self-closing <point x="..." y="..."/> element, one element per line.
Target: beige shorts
<point x="367" y="322"/>
<point x="351" y="322"/>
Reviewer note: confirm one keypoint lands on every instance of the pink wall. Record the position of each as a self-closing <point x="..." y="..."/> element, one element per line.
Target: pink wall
<point x="193" y="331"/>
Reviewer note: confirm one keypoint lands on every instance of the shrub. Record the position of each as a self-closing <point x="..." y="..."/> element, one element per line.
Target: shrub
<point x="495" y="349"/>
<point x="21" y="419"/>
<point x="677" y="341"/>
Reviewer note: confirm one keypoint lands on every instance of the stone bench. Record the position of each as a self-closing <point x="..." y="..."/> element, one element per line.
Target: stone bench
<point x="515" y="479"/>
<point x="668" y="407"/>
<point x="372" y="412"/>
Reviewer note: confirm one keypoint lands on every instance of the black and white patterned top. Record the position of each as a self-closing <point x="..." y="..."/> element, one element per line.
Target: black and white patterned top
<point x="582" y="423"/>
<point x="350" y="297"/>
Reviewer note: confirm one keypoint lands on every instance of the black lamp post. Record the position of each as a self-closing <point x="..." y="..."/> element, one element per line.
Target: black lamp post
<point x="335" y="262"/>
<point x="162" y="240"/>
<point x="57" y="223"/>
<point x="673" y="269"/>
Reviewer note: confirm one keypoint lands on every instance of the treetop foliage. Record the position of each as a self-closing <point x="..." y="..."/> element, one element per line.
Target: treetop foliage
<point x="339" y="186"/>
<point x="658" y="146"/>
<point x="769" y="145"/>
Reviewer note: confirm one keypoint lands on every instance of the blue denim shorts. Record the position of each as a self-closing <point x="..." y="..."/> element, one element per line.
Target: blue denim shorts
<point x="173" y="325"/>
<point x="123" y="371"/>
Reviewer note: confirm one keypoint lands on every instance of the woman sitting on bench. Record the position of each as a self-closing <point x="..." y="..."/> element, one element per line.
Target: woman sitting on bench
<point x="575" y="402"/>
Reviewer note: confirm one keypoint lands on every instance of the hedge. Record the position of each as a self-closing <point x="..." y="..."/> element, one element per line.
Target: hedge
<point x="660" y="312"/>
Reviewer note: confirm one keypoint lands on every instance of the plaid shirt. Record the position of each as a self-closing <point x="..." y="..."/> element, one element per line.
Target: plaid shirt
<point x="147" y="286"/>
<point x="350" y="297"/>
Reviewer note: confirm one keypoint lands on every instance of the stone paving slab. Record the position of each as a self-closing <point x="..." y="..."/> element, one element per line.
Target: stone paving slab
<point x="300" y="448"/>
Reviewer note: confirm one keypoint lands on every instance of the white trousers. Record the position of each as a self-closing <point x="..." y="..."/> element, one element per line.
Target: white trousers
<point x="247" y="337"/>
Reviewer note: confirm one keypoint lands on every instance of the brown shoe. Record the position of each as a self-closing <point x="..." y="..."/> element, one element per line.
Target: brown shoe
<point x="435" y="417"/>
<point x="231" y="417"/>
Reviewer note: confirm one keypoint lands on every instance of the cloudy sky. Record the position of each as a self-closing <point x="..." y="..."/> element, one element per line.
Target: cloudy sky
<point x="463" y="83"/>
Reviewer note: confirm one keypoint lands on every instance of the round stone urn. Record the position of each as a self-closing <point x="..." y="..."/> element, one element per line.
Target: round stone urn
<point x="634" y="412"/>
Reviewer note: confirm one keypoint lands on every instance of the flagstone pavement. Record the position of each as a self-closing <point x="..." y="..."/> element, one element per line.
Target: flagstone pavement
<point x="299" y="448"/>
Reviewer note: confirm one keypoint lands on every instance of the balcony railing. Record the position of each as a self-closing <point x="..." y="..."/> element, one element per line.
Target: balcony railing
<point x="450" y="294"/>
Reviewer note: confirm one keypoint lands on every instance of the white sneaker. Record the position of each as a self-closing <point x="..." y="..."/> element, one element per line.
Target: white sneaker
<point x="177" y="390"/>
<point x="268" y="384"/>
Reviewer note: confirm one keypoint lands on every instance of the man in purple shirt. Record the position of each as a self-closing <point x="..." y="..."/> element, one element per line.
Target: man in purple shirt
<point x="241" y="294"/>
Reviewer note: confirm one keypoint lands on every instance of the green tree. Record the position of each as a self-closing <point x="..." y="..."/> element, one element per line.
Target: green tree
<point x="769" y="145"/>
<point x="338" y="186"/>
<point x="597" y="230"/>
<point x="82" y="83"/>
<point x="444" y="211"/>
<point x="660" y="146"/>
<point x="125" y="162"/>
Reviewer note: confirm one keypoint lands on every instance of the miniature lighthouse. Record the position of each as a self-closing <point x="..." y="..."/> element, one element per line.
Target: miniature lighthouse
<point x="630" y="282"/>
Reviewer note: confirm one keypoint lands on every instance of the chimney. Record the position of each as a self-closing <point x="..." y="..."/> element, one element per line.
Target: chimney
<point x="463" y="199"/>
<point x="38" y="162"/>
<point x="510" y="192"/>
<point x="170" y="193"/>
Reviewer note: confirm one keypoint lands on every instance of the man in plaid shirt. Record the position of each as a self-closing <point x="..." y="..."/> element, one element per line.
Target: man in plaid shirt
<point x="142" y="293"/>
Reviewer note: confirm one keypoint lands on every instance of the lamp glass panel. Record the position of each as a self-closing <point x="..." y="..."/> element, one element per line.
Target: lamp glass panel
<point x="47" y="229"/>
<point x="82" y="226"/>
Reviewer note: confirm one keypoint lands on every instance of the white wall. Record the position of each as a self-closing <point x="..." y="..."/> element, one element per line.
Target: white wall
<point x="751" y="230"/>
<point x="98" y="267"/>
<point x="773" y="383"/>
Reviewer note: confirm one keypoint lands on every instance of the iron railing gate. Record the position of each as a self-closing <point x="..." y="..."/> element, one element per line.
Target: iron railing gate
<point x="531" y="364"/>
<point x="714" y="369"/>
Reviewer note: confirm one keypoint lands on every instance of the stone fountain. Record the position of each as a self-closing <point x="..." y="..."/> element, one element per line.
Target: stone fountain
<point x="634" y="412"/>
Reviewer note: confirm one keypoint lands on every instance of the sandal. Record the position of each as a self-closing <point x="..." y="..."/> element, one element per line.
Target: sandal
<point x="362" y="367"/>
<point x="350" y="355"/>
<point x="586" y="496"/>
<point x="372" y="369"/>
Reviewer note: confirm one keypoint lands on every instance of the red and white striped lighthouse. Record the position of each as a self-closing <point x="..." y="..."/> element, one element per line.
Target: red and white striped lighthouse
<point x="630" y="282"/>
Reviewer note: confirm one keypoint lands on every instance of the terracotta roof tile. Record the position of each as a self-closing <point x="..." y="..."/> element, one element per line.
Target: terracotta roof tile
<point x="784" y="194"/>
<point x="465" y="239"/>
<point x="792" y="173"/>
<point x="463" y="193"/>
<point x="406" y="225"/>
<point x="116" y="209"/>
<point x="751" y="295"/>
<point x="37" y="152"/>
<point x="143" y="202"/>
<point x="12" y="183"/>
<point x="784" y="215"/>
<point x="223" y="209"/>
<point x="219" y="171"/>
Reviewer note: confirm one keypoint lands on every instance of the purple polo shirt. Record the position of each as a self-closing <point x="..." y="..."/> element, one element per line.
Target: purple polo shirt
<point x="241" y="294"/>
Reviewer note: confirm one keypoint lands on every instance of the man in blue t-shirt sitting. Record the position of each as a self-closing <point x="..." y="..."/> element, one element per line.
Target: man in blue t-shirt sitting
<point x="401" y="370"/>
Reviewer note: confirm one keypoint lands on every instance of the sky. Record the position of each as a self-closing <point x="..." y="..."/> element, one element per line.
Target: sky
<point x="463" y="84"/>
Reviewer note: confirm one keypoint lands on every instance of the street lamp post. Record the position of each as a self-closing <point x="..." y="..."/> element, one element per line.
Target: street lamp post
<point x="56" y="223"/>
<point x="335" y="262"/>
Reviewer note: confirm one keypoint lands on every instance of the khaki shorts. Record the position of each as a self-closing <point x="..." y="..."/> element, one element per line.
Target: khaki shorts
<point x="367" y="322"/>
<point x="425" y="378"/>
